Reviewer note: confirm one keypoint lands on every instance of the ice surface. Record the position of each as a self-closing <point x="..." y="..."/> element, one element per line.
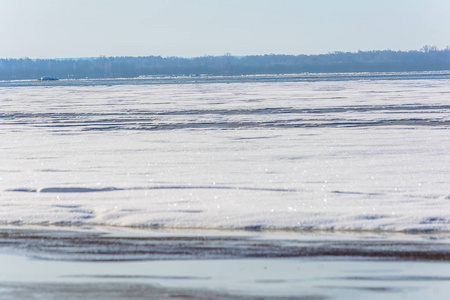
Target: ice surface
<point x="354" y="154"/>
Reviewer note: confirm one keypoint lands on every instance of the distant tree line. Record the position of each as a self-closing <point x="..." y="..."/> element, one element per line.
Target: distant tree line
<point x="429" y="58"/>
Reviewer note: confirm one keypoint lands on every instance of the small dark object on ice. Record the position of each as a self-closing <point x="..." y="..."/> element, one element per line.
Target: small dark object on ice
<point x="47" y="78"/>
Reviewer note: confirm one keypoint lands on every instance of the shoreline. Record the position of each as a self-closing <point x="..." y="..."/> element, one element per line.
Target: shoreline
<point x="134" y="244"/>
<point x="110" y="263"/>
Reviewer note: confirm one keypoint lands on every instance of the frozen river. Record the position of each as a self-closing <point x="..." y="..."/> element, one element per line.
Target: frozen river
<point x="356" y="152"/>
<point x="309" y="186"/>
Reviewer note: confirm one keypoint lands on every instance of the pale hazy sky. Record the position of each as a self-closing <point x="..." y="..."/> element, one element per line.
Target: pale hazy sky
<point x="86" y="28"/>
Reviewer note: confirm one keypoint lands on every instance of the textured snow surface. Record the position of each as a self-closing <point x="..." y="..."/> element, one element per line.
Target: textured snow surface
<point x="354" y="154"/>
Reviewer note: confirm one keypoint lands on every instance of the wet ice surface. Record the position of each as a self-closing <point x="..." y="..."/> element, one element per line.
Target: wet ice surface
<point x="354" y="154"/>
<point x="124" y="263"/>
<point x="226" y="279"/>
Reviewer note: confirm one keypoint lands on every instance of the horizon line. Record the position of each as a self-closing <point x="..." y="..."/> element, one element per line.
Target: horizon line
<point x="425" y="49"/>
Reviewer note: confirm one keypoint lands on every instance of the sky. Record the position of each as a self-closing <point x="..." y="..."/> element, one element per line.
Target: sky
<point x="191" y="28"/>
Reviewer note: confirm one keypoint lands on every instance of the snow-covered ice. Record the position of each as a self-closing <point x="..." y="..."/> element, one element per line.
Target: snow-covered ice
<point x="353" y="154"/>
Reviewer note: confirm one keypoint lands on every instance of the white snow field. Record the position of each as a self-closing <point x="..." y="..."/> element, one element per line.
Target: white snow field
<point x="357" y="154"/>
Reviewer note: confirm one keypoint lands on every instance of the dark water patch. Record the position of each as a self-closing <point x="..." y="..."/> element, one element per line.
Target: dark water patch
<point x="254" y="228"/>
<point x="255" y="138"/>
<point x="82" y="211"/>
<point x="397" y="278"/>
<point x="66" y="206"/>
<point x="269" y="281"/>
<point x="63" y="190"/>
<point x="355" y="193"/>
<point x="370" y="217"/>
<point x="435" y="220"/>
<point x="174" y="187"/>
<point x="105" y="276"/>
<point x="147" y="120"/>
<point x="76" y="190"/>
<point x="281" y="124"/>
<point x="129" y="210"/>
<point x="22" y="190"/>
<point x="121" y="291"/>
<point x="375" y="289"/>
<point x="144" y="115"/>
<point x="54" y="171"/>
<point x="388" y="122"/>
<point x="302" y="157"/>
